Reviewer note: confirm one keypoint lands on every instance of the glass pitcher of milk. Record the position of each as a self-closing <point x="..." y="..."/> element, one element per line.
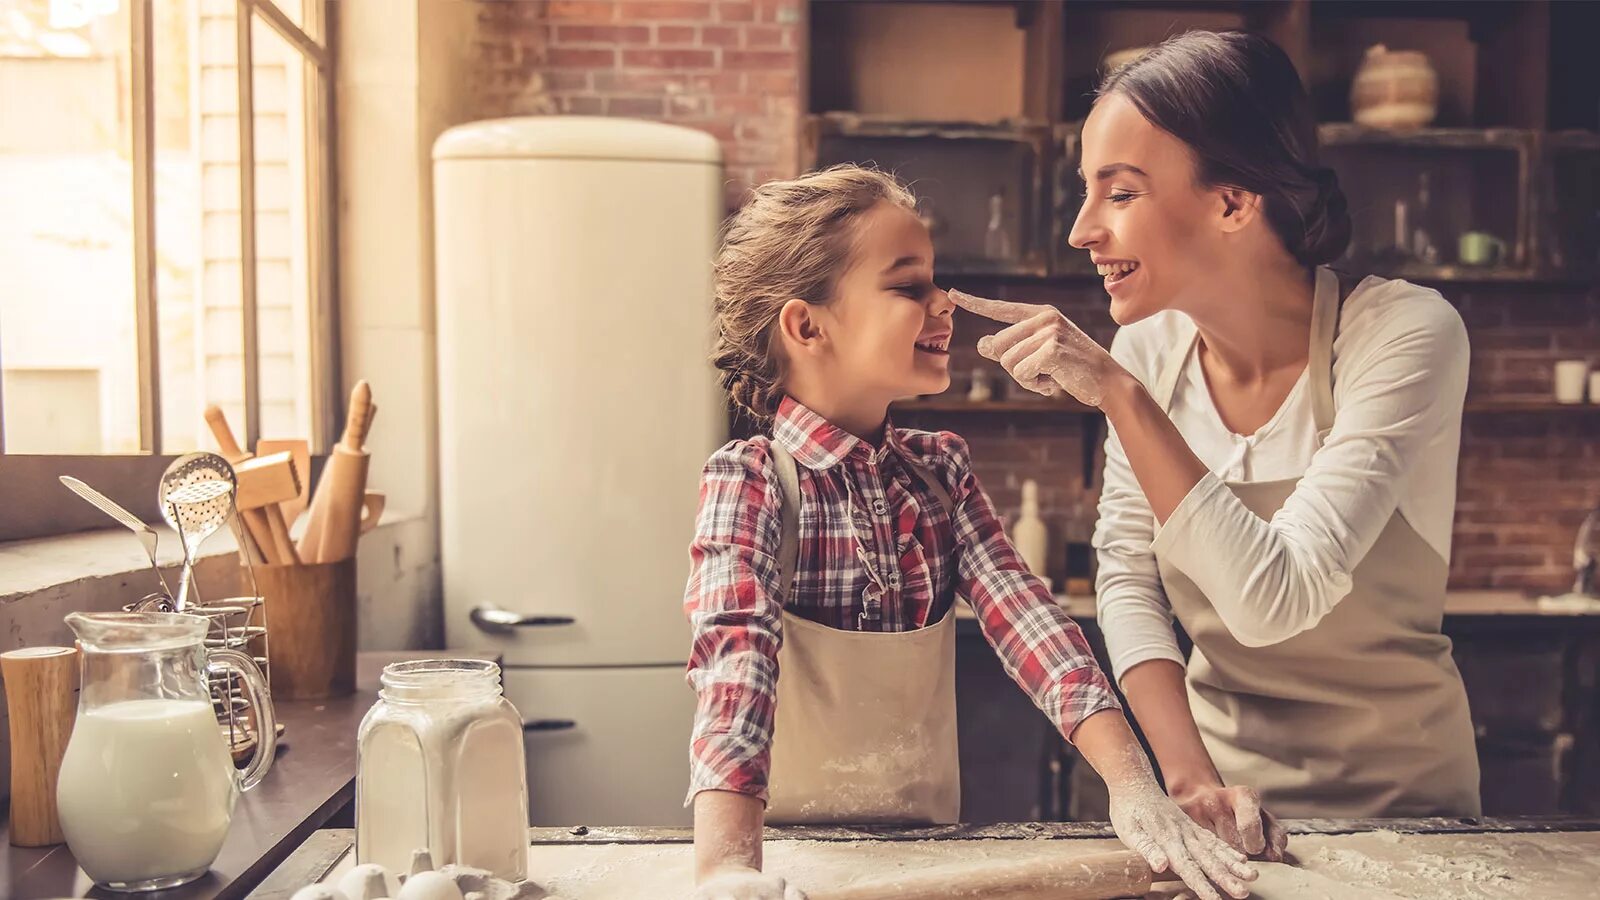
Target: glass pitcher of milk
<point x="147" y="786"/>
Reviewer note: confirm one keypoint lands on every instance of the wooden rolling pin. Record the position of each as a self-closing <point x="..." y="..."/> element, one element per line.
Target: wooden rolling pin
<point x="1055" y="876"/>
<point x="39" y="694"/>
<point x="334" y="523"/>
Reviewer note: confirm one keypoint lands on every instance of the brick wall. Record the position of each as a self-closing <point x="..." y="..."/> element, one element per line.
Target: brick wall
<point x="1527" y="480"/>
<point x="731" y="68"/>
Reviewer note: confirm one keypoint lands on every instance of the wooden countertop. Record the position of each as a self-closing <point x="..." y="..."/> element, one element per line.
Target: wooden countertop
<point x="312" y="780"/>
<point x="557" y="855"/>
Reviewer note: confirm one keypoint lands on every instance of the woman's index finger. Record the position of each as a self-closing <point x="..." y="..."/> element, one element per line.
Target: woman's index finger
<point x="998" y="310"/>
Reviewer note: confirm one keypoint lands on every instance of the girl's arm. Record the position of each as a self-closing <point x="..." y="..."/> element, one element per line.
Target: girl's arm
<point x="735" y="619"/>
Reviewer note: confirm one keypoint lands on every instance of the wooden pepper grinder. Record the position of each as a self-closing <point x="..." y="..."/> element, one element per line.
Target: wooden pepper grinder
<point x="40" y="684"/>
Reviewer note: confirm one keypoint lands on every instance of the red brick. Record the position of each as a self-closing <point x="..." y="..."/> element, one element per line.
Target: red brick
<point x="736" y="12"/>
<point x="603" y="34"/>
<point x="720" y="130"/>
<point x="581" y="105"/>
<point x="742" y="105"/>
<point x="663" y="9"/>
<point x="581" y="58"/>
<point x="571" y="10"/>
<point x="567" y="81"/>
<point x="668" y="59"/>
<point x="719" y="36"/>
<point x="633" y="106"/>
<point x="763" y="36"/>
<point x="694" y="105"/>
<point x="674" y="34"/>
<point x="772" y="82"/>
<point x="772" y="60"/>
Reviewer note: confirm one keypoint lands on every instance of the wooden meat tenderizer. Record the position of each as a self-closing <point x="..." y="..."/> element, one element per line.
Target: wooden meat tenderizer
<point x="335" y="518"/>
<point x="265" y="482"/>
<point x="301" y="451"/>
<point x="40" y="683"/>
<point x="1056" y="875"/>
<point x="256" y="526"/>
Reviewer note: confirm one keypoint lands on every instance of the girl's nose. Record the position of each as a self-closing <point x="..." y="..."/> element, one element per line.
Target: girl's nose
<point x="941" y="305"/>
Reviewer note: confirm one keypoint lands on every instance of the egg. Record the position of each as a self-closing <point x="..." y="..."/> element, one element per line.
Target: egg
<point x="429" y="886"/>
<point x="368" y="881"/>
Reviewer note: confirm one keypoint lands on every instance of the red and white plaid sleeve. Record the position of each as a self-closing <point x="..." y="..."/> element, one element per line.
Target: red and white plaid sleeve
<point x="1042" y="649"/>
<point x="736" y="621"/>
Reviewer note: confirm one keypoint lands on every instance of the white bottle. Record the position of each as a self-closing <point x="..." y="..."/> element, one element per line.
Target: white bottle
<point x="1029" y="533"/>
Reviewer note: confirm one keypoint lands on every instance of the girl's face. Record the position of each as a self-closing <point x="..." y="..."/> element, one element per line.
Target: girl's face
<point x="888" y="326"/>
<point x="1145" y="220"/>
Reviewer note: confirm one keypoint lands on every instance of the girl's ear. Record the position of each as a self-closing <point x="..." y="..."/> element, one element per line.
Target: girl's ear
<point x="1238" y="208"/>
<point x="799" y="325"/>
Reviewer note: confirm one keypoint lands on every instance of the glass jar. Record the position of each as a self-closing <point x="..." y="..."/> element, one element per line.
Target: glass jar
<point x="441" y="768"/>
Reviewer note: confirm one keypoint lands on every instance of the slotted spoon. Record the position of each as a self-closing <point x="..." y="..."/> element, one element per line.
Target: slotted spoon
<point x="196" y="496"/>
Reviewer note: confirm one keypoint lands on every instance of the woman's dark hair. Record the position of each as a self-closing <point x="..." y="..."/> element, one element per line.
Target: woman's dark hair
<point x="1238" y="103"/>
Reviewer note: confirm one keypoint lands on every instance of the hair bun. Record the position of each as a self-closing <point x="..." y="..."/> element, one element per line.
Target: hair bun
<point x="1327" y="221"/>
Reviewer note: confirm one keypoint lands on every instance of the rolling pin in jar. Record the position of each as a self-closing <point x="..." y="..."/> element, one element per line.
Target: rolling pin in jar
<point x="1055" y="876"/>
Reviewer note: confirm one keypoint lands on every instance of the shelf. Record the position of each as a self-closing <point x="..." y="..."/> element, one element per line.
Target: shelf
<point x="957" y="406"/>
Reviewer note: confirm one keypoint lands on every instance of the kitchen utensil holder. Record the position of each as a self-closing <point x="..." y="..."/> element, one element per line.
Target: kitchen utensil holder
<point x="311" y="623"/>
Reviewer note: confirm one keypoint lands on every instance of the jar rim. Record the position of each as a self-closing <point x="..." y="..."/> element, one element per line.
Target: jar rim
<point x="419" y="673"/>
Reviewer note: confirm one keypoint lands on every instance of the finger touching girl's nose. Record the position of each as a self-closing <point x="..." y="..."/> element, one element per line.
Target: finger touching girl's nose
<point x="941" y="304"/>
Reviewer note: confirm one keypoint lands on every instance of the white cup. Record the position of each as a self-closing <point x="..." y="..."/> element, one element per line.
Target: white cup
<point x="1594" y="386"/>
<point x="1570" y="377"/>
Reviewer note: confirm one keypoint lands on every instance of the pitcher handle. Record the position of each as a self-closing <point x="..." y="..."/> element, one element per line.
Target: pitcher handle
<point x="220" y="662"/>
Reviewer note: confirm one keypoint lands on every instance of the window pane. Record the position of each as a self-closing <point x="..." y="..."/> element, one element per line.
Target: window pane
<point x="69" y="374"/>
<point x="283" y="277"/>
<point x="197" y="219"/>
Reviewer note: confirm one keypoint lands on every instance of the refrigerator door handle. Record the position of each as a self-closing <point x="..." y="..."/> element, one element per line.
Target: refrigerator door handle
<point x="493" y="618"/>
<point x="549" y="725"/>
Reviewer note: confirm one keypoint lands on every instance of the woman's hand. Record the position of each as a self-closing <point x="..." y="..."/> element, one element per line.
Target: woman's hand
<point x="1157" y="829"/>
<point x="1235" y="815"/>
<point x="1043" y="350"/>
<point x="746" y="884"/>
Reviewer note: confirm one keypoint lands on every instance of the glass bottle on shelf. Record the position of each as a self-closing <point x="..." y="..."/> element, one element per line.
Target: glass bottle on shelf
<point x="996" y="243"/>
<point x="1423" y="246"/>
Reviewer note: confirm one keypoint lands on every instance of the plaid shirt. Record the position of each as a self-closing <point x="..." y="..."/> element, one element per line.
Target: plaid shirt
<point x="877" y="553"/>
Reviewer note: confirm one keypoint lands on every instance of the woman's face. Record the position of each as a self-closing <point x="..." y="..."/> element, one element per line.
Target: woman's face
<point x="1145" y="220"/>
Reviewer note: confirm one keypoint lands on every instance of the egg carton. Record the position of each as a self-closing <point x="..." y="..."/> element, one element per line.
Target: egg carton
<point x="370" y="881"/>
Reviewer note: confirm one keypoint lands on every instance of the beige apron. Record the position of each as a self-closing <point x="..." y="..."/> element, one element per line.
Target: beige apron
<point x="1362" y="715"/>
<point x="865" y="728"/>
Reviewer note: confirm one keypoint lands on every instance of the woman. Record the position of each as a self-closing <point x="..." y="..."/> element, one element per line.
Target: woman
<point x="1280" y="467"/>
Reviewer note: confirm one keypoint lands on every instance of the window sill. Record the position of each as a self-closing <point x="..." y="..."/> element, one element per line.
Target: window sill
<point x="47" y="564"/>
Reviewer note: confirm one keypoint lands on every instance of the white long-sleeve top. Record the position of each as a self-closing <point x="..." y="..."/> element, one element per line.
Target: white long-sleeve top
<point x="1399" y="378"/>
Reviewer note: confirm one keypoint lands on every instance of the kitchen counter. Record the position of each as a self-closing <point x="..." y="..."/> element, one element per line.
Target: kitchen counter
<point x="1420" y="858"/>
<point x="312" y="782"/>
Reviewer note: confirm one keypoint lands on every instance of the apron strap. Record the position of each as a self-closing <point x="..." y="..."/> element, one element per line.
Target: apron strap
<point x="1325" y="305"/>
<point x="1177" y="358"/>
<point x="788" y="517"/>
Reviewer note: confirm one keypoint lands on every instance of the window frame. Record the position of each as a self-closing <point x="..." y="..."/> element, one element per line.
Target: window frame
<point x="32" y="504"/>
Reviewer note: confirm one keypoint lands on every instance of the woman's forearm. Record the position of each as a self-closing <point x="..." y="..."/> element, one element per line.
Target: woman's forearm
<point x="1166" y="469"/>
<point x="1156" y="692"/>
<point x="727" y="833"/>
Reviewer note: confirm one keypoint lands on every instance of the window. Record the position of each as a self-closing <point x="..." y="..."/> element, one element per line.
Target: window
<point x="166" y="175"/>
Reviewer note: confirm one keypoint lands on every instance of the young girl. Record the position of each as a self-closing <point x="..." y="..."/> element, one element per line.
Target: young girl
<point x="829" y="554"/>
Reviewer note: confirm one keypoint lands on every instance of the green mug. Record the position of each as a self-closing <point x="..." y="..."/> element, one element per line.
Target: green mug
<point x="1480" y="248"/>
